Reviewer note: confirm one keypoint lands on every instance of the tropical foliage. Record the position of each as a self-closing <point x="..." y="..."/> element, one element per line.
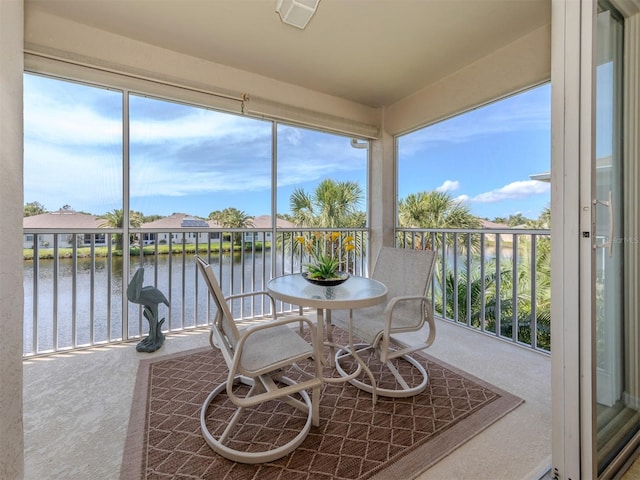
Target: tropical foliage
<point x="332" y="205"/>
<point x="328" y="253"/>
<point x="487" y="299"/>
<point x="33" y="208"/>
<point x="515" y="220"/>
<point x="435" y="210"/>
<point x="115" y="219"/>
<point x="232" y="218"/>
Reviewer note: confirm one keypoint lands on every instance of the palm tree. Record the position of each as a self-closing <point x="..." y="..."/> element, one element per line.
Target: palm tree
<point x="524" y="300"/>
<point x="466" y="290"/>
<point x="332" y="205"/>
<point x="468" y="282"/>
<point x="436" y="210"/>
<point x="543" y="221"/>
<point x="542" y="280"/>
<point x="115" y="219"/>
<point x="232" y="218"/>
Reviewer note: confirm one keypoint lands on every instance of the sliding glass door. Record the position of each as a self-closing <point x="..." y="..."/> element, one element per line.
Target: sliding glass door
<point x="616" y="370"/>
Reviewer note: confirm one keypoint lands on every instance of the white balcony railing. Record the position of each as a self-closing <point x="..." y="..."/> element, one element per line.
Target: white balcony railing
<point x="496" y="281"/>
<point x="75" y="281"/>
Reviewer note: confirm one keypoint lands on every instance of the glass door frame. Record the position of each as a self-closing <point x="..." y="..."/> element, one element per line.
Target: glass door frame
<point x="573" y="67"/>
<point x="572" y="124"/>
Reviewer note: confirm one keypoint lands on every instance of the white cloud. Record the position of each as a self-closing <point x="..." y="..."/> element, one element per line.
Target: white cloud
<point x="449" y="186"/>
<point x="56" y="177"/>
<point x="291" y="135"/>
<point x="171" y="183"/>
<point x="176" y="151"/>
<point x="462" y="198"/>
<point x="70" y="125"/>
<point x="56" y="116"/>
<point x="512" y="191"/>
<point x="200" y="125"/>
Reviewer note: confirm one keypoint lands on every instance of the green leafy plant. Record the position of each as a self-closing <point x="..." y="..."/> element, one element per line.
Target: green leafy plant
<point x="327" y="252"/>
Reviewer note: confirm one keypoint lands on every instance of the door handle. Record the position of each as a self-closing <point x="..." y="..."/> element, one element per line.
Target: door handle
<point x="609" y="243"/>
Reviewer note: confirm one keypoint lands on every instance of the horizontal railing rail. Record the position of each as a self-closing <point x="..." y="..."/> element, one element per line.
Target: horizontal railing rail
<point x="75" y="280"/>
<point x="496" y="281"/>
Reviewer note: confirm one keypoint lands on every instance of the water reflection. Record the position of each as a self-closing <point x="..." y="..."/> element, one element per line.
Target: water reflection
<point x="88" y="307"/>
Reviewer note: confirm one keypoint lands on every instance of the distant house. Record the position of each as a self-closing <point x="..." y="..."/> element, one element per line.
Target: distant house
<point x="62" y="219"/>
<point x="505" y="237"/>
<point x="263" y="223"/>
<point x="489" y="224"/>
<point x="174" y="227"/>
<point x="177" y="227"/>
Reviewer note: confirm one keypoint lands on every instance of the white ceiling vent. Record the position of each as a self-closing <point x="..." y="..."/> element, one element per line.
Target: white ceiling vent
<point x="296" y="12"/>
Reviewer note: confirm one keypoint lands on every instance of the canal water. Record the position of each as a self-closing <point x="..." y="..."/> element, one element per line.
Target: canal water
<point x="88" y="307"/>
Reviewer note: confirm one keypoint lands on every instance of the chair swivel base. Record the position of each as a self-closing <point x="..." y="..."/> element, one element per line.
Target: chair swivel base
<point x="404" y="391"/>
<point x="218" y="444"/>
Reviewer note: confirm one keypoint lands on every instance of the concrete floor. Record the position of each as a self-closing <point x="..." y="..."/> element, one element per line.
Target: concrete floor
<point x="634" y="471"/>
<point x="76" y="409"/>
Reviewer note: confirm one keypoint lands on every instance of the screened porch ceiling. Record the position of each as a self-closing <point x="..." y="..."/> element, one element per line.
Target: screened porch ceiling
<point x="373" y="52"/>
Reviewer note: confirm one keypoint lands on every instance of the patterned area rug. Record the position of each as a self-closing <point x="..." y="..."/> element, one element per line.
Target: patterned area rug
<point x="396" y="438"/>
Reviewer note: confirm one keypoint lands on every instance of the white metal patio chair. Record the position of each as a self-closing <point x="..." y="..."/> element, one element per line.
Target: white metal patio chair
<point x="407" y="275"/>
<point x="256" y="357"/>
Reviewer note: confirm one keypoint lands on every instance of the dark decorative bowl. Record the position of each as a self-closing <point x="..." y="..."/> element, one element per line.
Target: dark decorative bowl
<point x="330" y="282"/>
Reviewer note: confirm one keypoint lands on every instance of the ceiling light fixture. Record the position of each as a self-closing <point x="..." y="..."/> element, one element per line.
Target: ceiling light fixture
<point x="296" y="12"/>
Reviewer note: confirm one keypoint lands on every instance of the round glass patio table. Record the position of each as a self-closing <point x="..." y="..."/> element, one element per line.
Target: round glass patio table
<point x="355" y="292"/>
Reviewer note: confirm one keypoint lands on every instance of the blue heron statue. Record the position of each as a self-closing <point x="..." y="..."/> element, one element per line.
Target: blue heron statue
<point x="149" y="297"/>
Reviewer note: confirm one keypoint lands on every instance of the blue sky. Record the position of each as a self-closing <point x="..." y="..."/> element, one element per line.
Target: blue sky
<point x="485" y="157"/>
<point x="194" y="160"/>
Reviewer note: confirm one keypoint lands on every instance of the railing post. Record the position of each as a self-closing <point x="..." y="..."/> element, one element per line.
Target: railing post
<point x="534" y="307"/>
<point x="456" y="314"/>
<point x="483" y="284"/>
<point x="444" y="275"/>
<point x="514" y="288"/>
<point x="92" y="288"/>
<point x="36" y="276"/>
<point x="74" y="289"/>
<point x="498" y="313"/>
<point x="469" y="266"/>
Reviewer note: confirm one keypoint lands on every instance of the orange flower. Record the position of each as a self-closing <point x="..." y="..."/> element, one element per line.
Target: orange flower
<point x="328" y="252"/>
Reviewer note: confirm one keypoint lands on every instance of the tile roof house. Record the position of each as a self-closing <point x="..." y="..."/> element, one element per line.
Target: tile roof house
<point x="262" y="223"/>
<point x="63" y="219"/>
<point x="176" y="222"/>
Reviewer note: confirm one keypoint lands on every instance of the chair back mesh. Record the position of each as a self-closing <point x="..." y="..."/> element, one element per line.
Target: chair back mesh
<point x="224" y="318"/>
<point x="406" y="272"/>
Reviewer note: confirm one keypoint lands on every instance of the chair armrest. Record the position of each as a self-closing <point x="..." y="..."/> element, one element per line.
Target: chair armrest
<point x="239" y="296"/>
<point x="313" y="382"/>
<point x="234" y="368"/>
<point x="391" y="305"/>
<point x="247" y="294"/>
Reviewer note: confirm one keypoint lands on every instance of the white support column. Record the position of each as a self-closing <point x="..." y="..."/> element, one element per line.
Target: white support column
<point x="11" y="204"/>
<point x="382" y="203"/>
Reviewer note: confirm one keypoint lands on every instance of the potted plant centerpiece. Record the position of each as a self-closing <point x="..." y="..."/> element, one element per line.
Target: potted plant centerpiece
<point x="327" y="252"/>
